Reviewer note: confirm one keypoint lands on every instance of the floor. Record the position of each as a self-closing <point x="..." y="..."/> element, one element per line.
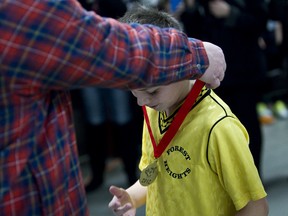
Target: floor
<point x="274" y="173"/>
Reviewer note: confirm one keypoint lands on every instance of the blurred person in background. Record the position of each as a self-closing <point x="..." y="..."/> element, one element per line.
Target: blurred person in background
<point x="278" y="12"/>
<point x="276" y="48"/>
<point x="110" y="121"/>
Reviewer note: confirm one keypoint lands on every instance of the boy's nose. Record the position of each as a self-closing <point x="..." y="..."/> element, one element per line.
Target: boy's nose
<point x="143" y="101"/>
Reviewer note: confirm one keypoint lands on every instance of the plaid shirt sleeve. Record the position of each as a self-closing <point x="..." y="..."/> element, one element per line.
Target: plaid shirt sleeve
<point x="58" y="45"/>
<point x="48" y="47"/>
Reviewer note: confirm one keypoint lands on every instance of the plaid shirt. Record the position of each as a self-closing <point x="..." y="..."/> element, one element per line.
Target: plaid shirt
<point x="46" y="49"/>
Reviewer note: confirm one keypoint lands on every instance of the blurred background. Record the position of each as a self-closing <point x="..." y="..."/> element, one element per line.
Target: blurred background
<point x="254" y="38"/>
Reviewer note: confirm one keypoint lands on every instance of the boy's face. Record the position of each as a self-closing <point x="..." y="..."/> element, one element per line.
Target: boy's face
<point x="163" y="98"/>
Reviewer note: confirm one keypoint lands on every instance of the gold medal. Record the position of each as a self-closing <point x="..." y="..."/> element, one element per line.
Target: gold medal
<point x="149" y="174"/>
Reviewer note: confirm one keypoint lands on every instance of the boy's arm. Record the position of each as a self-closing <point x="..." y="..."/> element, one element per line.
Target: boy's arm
<point x="255" y="208"/>
<point x="137" y="193"/>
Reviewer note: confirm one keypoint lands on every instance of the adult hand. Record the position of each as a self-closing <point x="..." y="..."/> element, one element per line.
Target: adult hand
<point x="121" y="204"/>
<point x="217" y="66"/>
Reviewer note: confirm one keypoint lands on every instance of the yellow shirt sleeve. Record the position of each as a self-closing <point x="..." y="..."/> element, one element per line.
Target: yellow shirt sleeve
<point x="231" y="159"/>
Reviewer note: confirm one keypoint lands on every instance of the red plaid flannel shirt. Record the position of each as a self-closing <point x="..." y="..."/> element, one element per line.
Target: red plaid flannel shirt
<point x="46" y="49"/>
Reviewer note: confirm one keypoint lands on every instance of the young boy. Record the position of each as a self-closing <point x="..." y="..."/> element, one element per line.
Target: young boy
<point x="206" y="169"/>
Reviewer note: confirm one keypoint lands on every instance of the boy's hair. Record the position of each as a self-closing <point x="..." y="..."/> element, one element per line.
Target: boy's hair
<point x="145" y="15"/>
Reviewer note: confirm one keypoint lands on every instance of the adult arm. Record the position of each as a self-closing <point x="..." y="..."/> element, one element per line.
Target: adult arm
<point x="52" y="45"/>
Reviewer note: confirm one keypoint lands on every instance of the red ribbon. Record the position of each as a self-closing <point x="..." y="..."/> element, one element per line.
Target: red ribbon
<point x="177" y="121"/>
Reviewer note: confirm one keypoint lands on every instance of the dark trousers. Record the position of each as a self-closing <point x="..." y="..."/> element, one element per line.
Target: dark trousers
<point x="125" y="146"/>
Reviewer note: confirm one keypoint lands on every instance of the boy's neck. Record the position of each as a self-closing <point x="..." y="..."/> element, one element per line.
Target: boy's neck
<point x="173" y="108"/>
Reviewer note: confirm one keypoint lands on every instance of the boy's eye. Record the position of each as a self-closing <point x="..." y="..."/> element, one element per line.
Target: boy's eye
<point x="152" y="92"/>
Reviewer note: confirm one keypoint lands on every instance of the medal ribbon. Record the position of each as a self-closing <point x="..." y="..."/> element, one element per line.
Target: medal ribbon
<point x="177" y="121"/>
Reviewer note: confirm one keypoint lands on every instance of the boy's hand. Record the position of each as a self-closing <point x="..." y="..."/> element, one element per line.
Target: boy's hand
<point x="217" y="66"/>
<point x="121" y="204"/>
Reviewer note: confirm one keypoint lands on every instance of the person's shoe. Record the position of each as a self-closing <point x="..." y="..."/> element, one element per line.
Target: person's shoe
<point x="280" y="109"/>
<point x="265" y="114"/>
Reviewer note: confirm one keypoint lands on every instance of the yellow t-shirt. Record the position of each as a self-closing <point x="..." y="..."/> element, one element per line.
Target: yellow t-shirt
<point x="207" y="169"/>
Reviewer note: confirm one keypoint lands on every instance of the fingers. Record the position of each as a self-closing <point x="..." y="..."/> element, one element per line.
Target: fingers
<point x="214" y="85"/>
<point x="116" y="191"/>
<point x="117" y="195"/>
<point x="211" y="79"/>
<point x="216" y="71"/>
<point x="120" y="211"/>
<point x="119" y="204"/>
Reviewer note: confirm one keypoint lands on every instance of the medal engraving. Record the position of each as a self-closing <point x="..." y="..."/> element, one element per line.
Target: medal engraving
<point x="149" y="174"/>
